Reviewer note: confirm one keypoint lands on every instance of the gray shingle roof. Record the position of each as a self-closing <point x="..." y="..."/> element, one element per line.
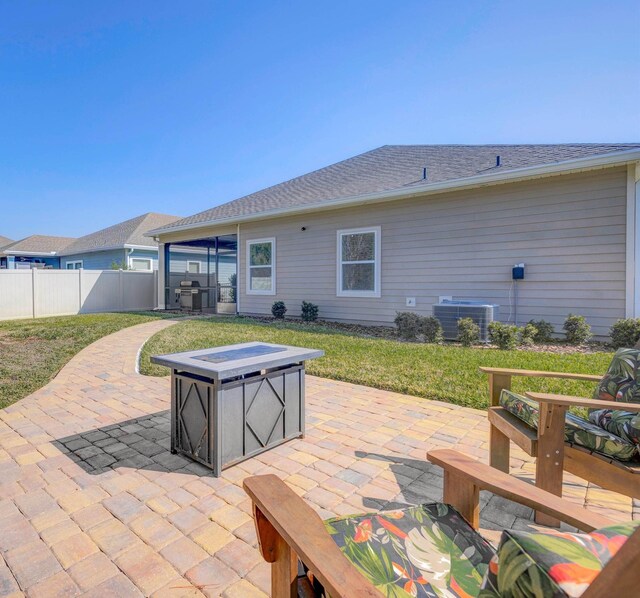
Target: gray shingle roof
<point x="395" y="167"/>
<point x="129" y="232"/>
<point x="39" y="244"/>
<point x="4" y="241"/>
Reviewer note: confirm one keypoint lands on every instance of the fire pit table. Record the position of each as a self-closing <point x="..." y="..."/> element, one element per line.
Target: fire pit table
<point x="231" y="403"/>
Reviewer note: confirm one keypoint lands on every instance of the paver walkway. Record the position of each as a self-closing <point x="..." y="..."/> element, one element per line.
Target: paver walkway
<point x="92" y="503"/>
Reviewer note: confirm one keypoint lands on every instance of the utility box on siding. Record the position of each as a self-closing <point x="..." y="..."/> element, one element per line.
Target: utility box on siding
<point x="231" y="403"/>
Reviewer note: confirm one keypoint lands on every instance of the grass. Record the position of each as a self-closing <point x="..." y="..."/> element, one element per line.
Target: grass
<point x="32" y="352"/>
<point x="443" y="372"/>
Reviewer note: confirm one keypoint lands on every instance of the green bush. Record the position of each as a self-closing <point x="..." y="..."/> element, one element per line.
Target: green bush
<point x="468" y="332"/>
<point x="625" y="333"/>
<point x="233" y="281"/>
<point x="431" y="329"/>
<point x="309" y="311"/>
<point x="545" y="331"/>
<point x="504" y="336"/>
<point x="408" y="324"/>
<point x="577" y="330"/>
<point x="278" y="309"/>
<point x="528" y="334"/>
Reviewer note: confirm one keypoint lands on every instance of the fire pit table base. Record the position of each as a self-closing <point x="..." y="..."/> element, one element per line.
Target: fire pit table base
<point x="219" y="419"/>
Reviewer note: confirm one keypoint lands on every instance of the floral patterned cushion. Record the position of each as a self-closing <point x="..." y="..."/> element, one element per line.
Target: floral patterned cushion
<point x="423" y="551"/>
<point x="551" y="563"/>
<point x="577" y="431"/>
<point x="621" y="423"/>
<point x="620" y="383"/>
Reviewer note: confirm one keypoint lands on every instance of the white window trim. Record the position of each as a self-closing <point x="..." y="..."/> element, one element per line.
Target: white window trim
<point x="74" y="262"/>
<point x="376" y="293"/>
<point x="189" y="262"/>
<point x="250" y="242"/>
<point x="145" y="259"/>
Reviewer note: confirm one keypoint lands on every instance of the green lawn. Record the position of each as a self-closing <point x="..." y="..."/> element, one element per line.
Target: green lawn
<point x="446" y="373"/>
<point x="33" y="351"/>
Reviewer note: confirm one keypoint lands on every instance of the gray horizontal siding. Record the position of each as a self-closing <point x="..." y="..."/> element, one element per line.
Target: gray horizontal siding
<point x="96" y="260"/>
<point x="569" y="230"/>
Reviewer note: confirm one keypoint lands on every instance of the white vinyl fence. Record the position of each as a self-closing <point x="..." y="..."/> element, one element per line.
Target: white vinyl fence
<point x="38" y="293"/>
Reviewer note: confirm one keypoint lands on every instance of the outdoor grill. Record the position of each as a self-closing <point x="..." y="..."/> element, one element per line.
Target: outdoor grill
<point x="190" y="295"/>
<point x="231" y="403"/>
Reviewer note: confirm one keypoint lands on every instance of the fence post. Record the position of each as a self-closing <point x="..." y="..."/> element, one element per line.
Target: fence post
<point x="155" y="290"/>
<point x="80" y="290"/>
<point x="121" y="284"/>
<point x="33" y="291"/>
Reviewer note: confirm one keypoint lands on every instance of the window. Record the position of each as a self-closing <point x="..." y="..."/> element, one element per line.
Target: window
<point x="261" y="267"/>
<point x="74" y="265"/>
<point x="193" y="267"/>
<point x="359" y="262"/>
<point x="141" y="264"/>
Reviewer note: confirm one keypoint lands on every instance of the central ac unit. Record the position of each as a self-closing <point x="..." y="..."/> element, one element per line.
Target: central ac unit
<point x="449" y="311"/>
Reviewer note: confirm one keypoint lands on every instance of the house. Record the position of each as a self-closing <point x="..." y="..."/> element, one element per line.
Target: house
<point x="35" y="251"/>
<point x="400" y="227"/>
<point x="4" y="241"/>
<point x="122" y="245"/>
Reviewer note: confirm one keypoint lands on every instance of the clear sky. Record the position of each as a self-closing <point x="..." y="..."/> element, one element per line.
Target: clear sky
<point x="111" y="109"/>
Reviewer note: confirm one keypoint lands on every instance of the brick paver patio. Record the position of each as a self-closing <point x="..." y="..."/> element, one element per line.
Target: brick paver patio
<point x="92" y="503"/>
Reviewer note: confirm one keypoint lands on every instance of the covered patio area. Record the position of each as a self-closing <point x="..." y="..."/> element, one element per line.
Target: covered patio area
<point x="92" y="503"/>
<point x="210" y="263"/>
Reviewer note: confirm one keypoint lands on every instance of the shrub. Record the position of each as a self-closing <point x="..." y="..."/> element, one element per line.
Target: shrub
<point x="468" y="332"/>
<point x="577" y="330"/>
<point x="412" y="326"/>
<point x="233" y="281"/>
<point x="528" y="334"/>
<point x="309" y="311"/>
<point x="504" y="336"/>
<point x="278" y="309"/>
<point x="408" y="324"/>
<point x="625" y="333"/>
<point x="431" y="329"/>
<point x="545" y="331"/>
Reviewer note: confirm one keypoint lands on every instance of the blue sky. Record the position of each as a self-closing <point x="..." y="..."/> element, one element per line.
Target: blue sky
<point x="112" y="109"/>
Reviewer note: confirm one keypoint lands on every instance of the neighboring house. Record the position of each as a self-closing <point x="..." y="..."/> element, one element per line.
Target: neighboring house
<point x="36" y="251"/>
<point x="122" y="245"/>
<point x="4" y="241"/>
<point x="400" y="227"/>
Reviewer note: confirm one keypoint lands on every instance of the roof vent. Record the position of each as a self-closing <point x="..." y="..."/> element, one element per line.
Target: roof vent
<point x="498" y="160"/>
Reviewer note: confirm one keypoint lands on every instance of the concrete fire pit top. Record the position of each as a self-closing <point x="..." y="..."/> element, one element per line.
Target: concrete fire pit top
<point x="221" y="363"/>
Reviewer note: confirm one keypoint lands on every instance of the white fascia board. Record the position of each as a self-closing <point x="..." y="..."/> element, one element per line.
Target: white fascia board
<point x="109" y="248"/>
<point x="515" y="175"/>
<point x="144" y="247"/>
<point x="39" y="253"/>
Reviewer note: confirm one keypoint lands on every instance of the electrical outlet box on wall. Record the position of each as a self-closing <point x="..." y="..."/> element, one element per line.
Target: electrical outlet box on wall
<point x="410" y="301"/>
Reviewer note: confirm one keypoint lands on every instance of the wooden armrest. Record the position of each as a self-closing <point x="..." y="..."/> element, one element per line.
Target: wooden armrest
<point x="569" y="401"/>
<point x="281" y="515"/>
<point x="483" y="477"/>
<point x="540" y="374"/>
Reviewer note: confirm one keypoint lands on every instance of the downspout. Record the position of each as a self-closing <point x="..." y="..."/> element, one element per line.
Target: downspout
<point x="238" y="269"/>
<point x="127" y="252"/>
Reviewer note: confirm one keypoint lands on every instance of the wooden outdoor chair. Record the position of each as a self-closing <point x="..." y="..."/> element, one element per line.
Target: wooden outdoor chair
<point x="609" y="461"/>
<point x="306" y="559"/>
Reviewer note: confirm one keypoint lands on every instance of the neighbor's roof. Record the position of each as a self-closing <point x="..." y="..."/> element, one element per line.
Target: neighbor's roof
<point x="5" y="241"/>
<point x="38" y="245"/>
<point x="125" y="234"/>
<point x="399" y="168"/>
